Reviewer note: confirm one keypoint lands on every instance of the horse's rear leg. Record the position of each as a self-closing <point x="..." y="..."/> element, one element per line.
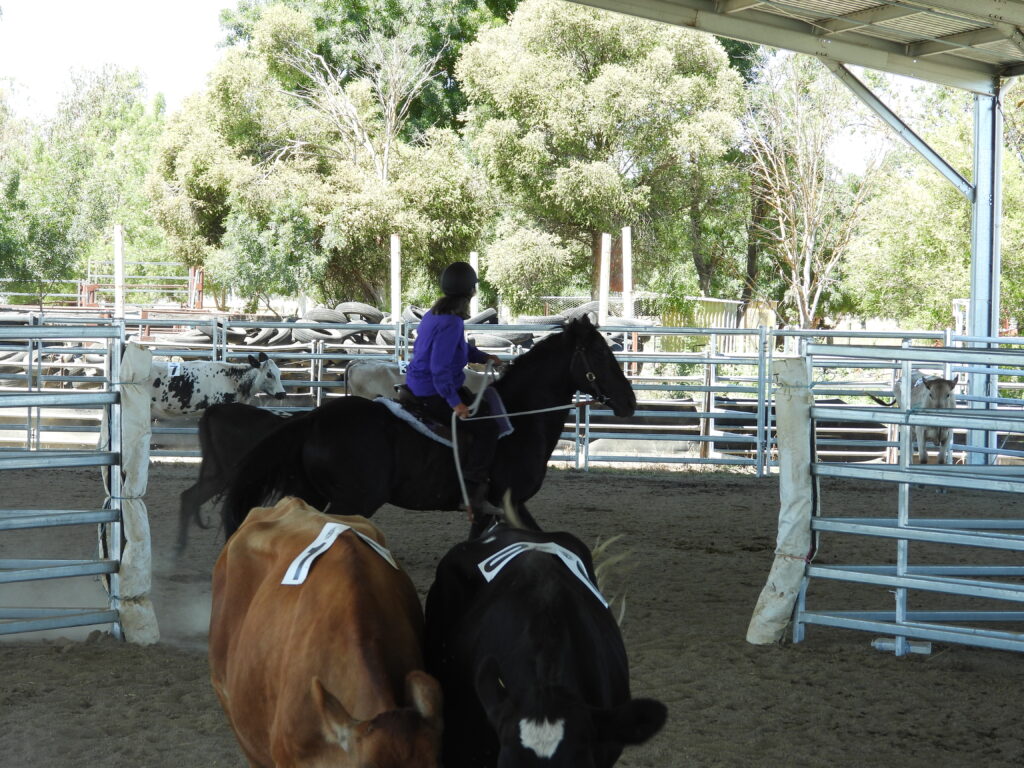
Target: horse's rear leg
<point x="191" y="500"/>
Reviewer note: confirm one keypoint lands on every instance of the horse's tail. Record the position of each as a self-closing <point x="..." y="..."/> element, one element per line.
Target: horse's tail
<point x="268" y="472"/>
<point x="880" y="401"/>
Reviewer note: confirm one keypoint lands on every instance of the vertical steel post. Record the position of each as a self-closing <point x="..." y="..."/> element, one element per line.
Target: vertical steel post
<point x="115" y="348"/>
<point x="983" y="318"/>
<point x="762" y="400"/>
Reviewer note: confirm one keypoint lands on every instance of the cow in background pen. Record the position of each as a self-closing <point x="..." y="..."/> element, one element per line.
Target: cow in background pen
<point x="928" y="393"/>
<point x="179" y="389"/>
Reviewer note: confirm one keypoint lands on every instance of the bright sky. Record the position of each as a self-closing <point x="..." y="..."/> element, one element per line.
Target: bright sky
<point x="174" y="44"/>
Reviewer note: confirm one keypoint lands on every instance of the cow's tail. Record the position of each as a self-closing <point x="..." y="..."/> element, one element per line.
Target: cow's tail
<point x="268" y="472"/>
<point x="348" y="368"/>
<point x="880" y="401"/>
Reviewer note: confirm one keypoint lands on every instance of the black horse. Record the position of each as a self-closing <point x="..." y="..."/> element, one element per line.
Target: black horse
<point x="226" y="432"/>
<point x="355" y="455"/>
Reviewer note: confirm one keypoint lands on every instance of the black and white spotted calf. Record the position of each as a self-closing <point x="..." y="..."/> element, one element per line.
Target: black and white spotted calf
<point x="182" y="388"/>
<point x="531" y="661"/>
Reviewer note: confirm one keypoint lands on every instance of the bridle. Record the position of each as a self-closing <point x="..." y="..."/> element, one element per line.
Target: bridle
<point x="580" y="354"/>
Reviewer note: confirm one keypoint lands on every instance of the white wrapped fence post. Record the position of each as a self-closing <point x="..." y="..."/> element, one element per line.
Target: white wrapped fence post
<point x="774" y="607"/>
<point x="138" y="619"/>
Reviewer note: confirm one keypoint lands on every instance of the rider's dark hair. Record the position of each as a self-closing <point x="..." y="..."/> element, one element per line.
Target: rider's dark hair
<point x="452" y="305"/>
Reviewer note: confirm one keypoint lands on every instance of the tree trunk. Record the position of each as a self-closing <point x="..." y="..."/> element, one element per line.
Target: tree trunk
<point x="701" y="262"/>
<point x="758" y="211"/>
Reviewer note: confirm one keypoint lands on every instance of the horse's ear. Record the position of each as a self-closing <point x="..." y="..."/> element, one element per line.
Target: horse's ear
<point x="263" y="357"/>
<point x="254" y="362"/>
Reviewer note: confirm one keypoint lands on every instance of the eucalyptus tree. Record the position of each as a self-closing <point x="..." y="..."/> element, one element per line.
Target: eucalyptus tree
<point x="441" y="28"/>
<point x="65" y="181"/>
<point x="290" y="173"/>
<point x="796" y="112"/>
<point x="586" y="121"/>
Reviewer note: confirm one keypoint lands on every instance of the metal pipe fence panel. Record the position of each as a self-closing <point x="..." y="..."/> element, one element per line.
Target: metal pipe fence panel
<point x="36" y="391"/>
<point x="985" y="467"/>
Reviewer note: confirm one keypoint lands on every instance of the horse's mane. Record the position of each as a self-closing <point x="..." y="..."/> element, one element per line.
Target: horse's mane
<point x="538" y="357"/>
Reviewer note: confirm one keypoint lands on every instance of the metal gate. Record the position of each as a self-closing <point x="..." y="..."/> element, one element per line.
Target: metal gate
<point x="40" y="401"/>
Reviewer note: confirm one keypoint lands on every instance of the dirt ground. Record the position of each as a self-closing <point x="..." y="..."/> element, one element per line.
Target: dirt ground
<point x="702" y="544"/>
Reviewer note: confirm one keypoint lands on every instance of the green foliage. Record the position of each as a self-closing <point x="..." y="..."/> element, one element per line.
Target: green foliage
<point x="336" y="29"/>
<point x="66" y="183"/>
<point x="289" y="175"/>
<point x="914" y="257"/>
<point x="587" y="121"/>
<point x="525" y="263"/>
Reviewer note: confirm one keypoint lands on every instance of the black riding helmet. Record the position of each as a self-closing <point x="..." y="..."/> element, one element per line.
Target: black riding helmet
<point x="458" y="279"/>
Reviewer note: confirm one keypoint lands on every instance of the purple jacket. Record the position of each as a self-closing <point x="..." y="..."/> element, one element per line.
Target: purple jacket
<point x="439" y="355"/>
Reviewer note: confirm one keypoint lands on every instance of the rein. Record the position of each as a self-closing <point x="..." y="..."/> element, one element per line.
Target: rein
<point x="476" y="404"/>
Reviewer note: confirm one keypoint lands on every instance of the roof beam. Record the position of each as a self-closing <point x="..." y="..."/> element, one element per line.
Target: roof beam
<point x="735" y="6"/>
<point x="865" y="18"/>
<point x="1004" y="11"/>
<point x="956" y="42"/>
<point x="792" y="34"/>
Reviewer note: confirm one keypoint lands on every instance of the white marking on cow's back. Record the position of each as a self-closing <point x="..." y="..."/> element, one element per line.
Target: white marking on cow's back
<point x="542" y="737"/>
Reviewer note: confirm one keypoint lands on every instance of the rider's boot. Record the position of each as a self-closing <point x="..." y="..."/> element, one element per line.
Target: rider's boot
<point x="479" y="507"/>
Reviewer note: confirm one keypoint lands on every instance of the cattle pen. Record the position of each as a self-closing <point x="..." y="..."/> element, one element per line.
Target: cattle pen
<point x="703" y="536"/>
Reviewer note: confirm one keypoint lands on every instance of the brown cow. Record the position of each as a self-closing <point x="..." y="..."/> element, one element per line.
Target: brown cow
<point x="327" y="672"/>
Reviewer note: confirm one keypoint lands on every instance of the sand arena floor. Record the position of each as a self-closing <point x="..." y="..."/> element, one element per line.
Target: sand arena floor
<point x="702" y="544"/>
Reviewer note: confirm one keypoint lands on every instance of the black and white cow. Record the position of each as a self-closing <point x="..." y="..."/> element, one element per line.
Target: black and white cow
<point x="531" y="661"/>
<point x="178" y="389"/>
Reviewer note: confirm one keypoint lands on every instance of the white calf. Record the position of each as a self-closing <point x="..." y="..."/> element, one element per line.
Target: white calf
<point x="183" y="388"/>
<point x="378" y="378"/>
<point x="931" y="392"/>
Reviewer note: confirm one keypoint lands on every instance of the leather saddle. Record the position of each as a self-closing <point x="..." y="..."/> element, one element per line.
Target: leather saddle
<point x="412" y="404"/>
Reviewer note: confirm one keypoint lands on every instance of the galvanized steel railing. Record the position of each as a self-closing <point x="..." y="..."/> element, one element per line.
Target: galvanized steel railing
<point x="33" y="398"/>
<point x="973" y="576"/>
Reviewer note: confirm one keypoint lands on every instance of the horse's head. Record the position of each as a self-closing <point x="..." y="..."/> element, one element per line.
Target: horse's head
<point x="268" y="376"/>
<point x="596" y="371"/>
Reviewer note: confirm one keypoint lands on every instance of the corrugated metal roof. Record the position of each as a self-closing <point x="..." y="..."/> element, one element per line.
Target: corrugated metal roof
<point x="964" y="43"/>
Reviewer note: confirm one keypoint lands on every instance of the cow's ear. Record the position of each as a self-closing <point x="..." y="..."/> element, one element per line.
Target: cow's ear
<point x="954" y="381"/>
<point x="424" y="693"/>
<point x="631" y="723"/>
<point x="338" y="726"/>
<point x="263" y="357"/>
<point x="254" y="362"/>
<point x="490" y="688"/>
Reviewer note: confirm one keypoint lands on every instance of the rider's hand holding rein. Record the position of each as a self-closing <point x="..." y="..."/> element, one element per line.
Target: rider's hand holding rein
<point x="462" y="411"/>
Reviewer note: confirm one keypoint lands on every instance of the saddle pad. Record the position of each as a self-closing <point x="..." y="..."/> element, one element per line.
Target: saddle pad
<point x="493" y="400"/>
<point x="396" y="408"/>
